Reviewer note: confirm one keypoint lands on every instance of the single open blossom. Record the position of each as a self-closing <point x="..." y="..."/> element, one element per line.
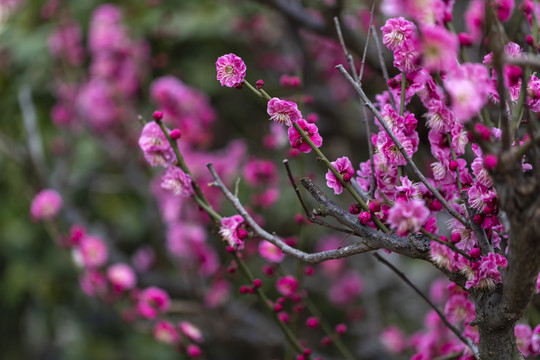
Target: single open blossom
<point x="177" y="181"/>
<point x="93" y="251"/>
<point x="344" y="167"/>
<point x="468" y="87"/>
<point x="155" y="146"/>
<point x="393" y="340"/>
<point x="408" y="216"/>
<point x="296" y="140"/>
<point x="485" y="273"/>
<point x="287" y="285"/>
<point x="121" y="276"/>
<point x="93" y="283"/>
<point x="439" y="48"/>
<point x="398" y="31"/>
<point x="346" y="288"/>
<point x="166" y="332"/>
<point x="191" y="331"/>
<point x="153" y="301"/>
<point x="229" y="231"/>
<point x="270" y="252"/>
<point x="523" y="334"/>
<point x="283" y="111"/>
<point x="46" y="205"/>
<point x="231" y="70"/>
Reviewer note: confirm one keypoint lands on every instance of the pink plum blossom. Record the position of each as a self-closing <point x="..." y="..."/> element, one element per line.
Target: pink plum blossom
<point x="398" y="31"/>
<point x="155" y="146"/>
<point x="153" y="301"/>
<point x="344" y="167"/>
<point x="231" y="70"/>
<point x="93" y="283"/>
<point x="177" y="181"/>
<point x="258" y="172"/>
<point x="121" y="276"/>
<point x="296" y="140"/>
<point x="191" y="331"/>
<point x="287" y="285"/>
<point x="408" y="216"/>
<point x="393" y="340"/>
<point x="165" y="332"/>
<point x="346" y="288"/>
<point x="468" y="87"/>
<point x="485" y="273"/>
<point x="229" y="231"/>
<point x="46" y="205"/>
<point x="93" y="251"/>
<point x="439" y="48"/>
<point x="270" y="252"/>
<point x="523" y="334"/>
<point x="283" y="111"/>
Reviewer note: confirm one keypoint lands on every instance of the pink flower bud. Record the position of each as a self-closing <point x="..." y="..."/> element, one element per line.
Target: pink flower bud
<point x="456" y="237"/>
<point x="307" y="351"/>
<point x="443" y="238"/>
<point x="347" y="177"/>
<point x="478" y="218"/>
<point x="490" y="161"/>
<point x="529" y="39"/>
<point x="312" y="322"/>
<point x="453" y="165"/>
<point x="257" y="283"/>
<point x="158" y="116"/>
<point x="309" y="271"/>
<point x="259" y="84"/>
<point x="483" y="131"/>
<point x="364" y="217"/>
<point x="475" y="253"/>
<point x="175" y="134"/>
<point x="374" y="206"/>
<point x="341" y="329"/>
<point x="464" y="39"/>
<point x="284" y="317"/>
<point x="242" y="234"/>
<point x="193" y="351"/>
<point x="326" y="341"/>
<point x="355" y="209"/>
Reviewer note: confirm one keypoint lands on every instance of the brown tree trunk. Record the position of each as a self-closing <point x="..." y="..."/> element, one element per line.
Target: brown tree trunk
<point x="498" y="344"/>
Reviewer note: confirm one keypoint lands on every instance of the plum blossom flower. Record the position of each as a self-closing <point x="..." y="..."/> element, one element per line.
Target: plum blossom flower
<point x="231" y="70"/>
<point x="229" y="231"/>
<point x="344" y="167"/>
<point x="270" y="252"/>
<point x="191" y="331"/>
<point x="45" y="205"/>
<point x="296" y="140"/>
<point x="166" y="332"/>
<point x="121" y="276"/>
<point x="468" y="87"/>
<point x="93" y="283"/>
<point x="153" y="301"/>
<point x="397" y="31"/>
<point x="485" y="273"/>
<point x="408" y="216"/>
<point x="346" y="288"/>
<point x="177" y="181"/>
<point x="287" y="285"/>
<point x="523" y="334"/>
<point x="93" y="251"/>
<point x="283" y="111"/>
<point x="393" y="340"/>
<point x="439" y="48"/>
<point x="258" y="172"/>
<point x="155" y="146"/>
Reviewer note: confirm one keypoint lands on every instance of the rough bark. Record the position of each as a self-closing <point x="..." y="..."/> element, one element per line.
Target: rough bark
<point x="498" y="344"/>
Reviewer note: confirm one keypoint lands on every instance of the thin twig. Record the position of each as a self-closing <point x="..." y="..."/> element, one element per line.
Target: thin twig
<point x="371" y="239"/>
<point x="35" y="143"/>
<point x="310" y="216"/>
<point x="391" y="134"/>
<point x="383" y="65"/>
<point x="361" y="75"/>
<point x="348" y="56"/>
<point x="452" y="328"/>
